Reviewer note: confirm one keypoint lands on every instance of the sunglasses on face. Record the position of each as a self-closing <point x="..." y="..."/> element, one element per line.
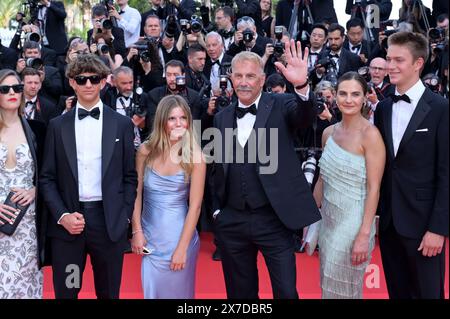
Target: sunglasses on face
<point x="82" y="80"/>
<point x="17" y="88"/>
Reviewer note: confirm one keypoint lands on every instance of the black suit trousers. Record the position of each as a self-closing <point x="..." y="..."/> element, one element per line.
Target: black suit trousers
<point x="410" y="275"/>
<point x="240" y="235"/>
<point x="106" y="259"/>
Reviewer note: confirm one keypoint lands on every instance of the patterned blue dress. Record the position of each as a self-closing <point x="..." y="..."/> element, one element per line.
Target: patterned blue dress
<point x="163" y="216"/>
<point x="344" y="193"/>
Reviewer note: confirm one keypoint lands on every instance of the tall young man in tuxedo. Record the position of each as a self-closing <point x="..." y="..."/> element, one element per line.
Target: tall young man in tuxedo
<point x="414" y="194"/>
<point x="88" y="182"/>
<point x="257" y="203"/>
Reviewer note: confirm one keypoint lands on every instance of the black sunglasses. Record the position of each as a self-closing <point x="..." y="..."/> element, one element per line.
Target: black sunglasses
<point x="17" y="88"/>
<point x="82" y="80"/>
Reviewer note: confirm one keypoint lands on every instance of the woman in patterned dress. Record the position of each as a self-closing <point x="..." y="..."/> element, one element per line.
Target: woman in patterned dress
<point x="20" y="274"/>
<point x="351" y="168"/>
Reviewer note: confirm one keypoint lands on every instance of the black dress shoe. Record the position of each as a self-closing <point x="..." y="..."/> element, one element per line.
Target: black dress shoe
<point x="216" y="255"/>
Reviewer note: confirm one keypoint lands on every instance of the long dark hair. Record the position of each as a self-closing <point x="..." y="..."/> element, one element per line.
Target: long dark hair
<point x="3" y="75"/>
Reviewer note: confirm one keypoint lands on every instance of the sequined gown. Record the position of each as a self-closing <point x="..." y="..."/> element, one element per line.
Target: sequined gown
<point x="344" y="192"/>
<point x="20" y="277"/>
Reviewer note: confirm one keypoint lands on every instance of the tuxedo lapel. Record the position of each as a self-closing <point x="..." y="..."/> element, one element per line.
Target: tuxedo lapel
<point x="418" y="116"/>
<point x="264" y="109"/>
<point x="108" y="137"/>
<point x="387" y="120"/>
<point x="227" y="140"/>
<point x="69" y="142"/>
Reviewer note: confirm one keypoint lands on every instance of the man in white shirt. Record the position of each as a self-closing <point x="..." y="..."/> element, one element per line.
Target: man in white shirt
<point x="129" y="19"/>
<point x="258" y="202"/>
<point x="414" y="205"/>
<point x="88" y="182"/>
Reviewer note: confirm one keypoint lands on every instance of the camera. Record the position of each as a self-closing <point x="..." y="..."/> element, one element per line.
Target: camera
<point x="196" y="24"/>
<point x="247" y="35"/>
<point x="108" y="3"/>
<point x="180" y="82"/>
<point x="365" y="73"/>
<point x="103" y="48"/>
<point x="33" y="36"/>
<point x="146" y="48"/>
<point x="171" y="26"/>
<point x="35" y="63"/>
<point x="437" y="36"/>
<point x="330" y="67"/>
<point x="106" y="24"/>
<point x="223" y="100"/>
<point x="320" y="103"/>
<point x="137" y="108"/>
<point x="433" y="83"/>
<point x="184" y="26"/>
<point x="278" y="45"/>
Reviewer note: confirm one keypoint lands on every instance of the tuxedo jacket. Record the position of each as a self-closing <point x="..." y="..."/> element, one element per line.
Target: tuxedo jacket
<point x="287" y="190"/>
<point x="59" y="174"/>
<point x="208" y="64"/>
<point x="46" y="110"/>
<point x="118" y="42"/>
<point x="364" y="49"/>
<point x="414" y="190"/>
<point x="55" y="27"/>
<point x="259" y="48"/>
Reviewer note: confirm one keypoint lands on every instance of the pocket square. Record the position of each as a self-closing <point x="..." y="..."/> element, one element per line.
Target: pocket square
<point x="117" y="139"/>
<point x="422" y="130"/>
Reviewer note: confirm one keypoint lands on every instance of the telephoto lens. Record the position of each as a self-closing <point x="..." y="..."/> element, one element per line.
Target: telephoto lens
<point x="247" y="35"/>
<point x="35" y="63"/>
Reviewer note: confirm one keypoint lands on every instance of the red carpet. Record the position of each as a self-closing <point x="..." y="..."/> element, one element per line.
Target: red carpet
<point x="210" y="284"/>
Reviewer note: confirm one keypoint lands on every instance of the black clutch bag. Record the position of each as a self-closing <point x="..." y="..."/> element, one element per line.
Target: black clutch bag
<point x="8" y="228"/>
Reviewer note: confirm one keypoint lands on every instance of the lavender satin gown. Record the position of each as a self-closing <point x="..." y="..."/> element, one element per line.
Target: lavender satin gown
<point x="163" y="215"/>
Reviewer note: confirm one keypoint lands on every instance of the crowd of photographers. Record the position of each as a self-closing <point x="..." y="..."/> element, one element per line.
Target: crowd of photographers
<point x="179" y="48"/>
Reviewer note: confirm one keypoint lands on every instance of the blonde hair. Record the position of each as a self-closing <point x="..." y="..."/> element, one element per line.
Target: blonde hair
<point x="3" y="75"/>
<point x="158" y="143"/>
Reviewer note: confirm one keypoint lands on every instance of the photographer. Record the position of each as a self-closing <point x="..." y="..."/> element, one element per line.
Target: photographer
<point x="379" y="87"/>
<point x="123" y="96"/>
<point x="246" y="38"/>
<point x="105" y="27"/>
<point x="216" y="58"/>
<point x="51" y="16"/>
<point x="191" y="34"/>
<point x="183" y="9"/>
<point x="275" y="83"/>
<point x="438" y="40"/>
<point x="275" y="50"/>
<point x="143" y="58"/>
<point x="224" y="18"/>
<point x="51" y="79"/>
<point x="355" y="42"/>
<point x="175" y="84"/>
<point x="317" y="40"/>
<point x="103" y="47"/>
<point x="129" y="19"/>
<point x="195" y="79"/>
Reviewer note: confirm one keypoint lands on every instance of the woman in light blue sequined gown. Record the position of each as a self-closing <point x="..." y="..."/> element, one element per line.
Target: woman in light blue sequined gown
<point x="351" y="168"/>
<point x="171" y="172"/>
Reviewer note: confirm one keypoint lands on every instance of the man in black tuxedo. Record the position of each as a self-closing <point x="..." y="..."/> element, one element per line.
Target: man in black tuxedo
<point x="195" y="78"/>
<point x="355" y="42"/>
<point x="256" y="43"/>
<point x="259" y="202"/>
<point x="173" y="69"/>
<point x="88" y="182"/>
<point x="52" y="15"/>
<point x="122" y="98"/>
<point x="99" y="15"/>
<point x="343" y="59"/>
<point x="414" y="209"/>
<point x="37" y="107"/>
<point x="216" y="59"/>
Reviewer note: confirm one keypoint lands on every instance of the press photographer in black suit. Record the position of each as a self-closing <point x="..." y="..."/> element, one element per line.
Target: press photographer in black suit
<point x="247" y="39"/>
<point x="52" y="15"/>
<point x="355" y="42"/>
<point x="195" y="78"/>
<point x="174" y="69"/>
<point x="101" y="24"/>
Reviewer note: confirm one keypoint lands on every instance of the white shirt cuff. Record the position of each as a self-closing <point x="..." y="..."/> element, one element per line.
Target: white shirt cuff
<point x="217" y="211"/>
<point x="59" y="220"/>
<point x="303" y="97"/>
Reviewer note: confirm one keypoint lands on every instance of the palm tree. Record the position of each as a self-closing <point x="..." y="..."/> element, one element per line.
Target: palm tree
<point x="8" y="9"/>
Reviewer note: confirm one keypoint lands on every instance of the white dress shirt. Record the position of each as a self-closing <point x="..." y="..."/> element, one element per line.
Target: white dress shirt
<point x="88" y="137"/>
<point x="312" y="58"/>
<point x="403" y="111"/>
<point x="354" y="49"/>
<point x="215" y="72"/>
<point x="131" y="25"/>
<point x="30" y="112"/>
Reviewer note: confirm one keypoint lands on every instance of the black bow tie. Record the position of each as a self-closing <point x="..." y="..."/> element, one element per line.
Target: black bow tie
<point x="356" y="47"/>
<point x="215" y="62"/>
<point x="403" y="97"/>
<point x="313" y="53"/>
<point x="31" y="104"/>
<point x="121" y="95"/>
<point x="121" y="12"/>
<point x="95" y="113"/>
<point x="241" y="111"/>
<point x="331" y="55"/>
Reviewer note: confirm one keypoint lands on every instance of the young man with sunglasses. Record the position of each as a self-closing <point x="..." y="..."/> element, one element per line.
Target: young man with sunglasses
<point x="88" y="182"/>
